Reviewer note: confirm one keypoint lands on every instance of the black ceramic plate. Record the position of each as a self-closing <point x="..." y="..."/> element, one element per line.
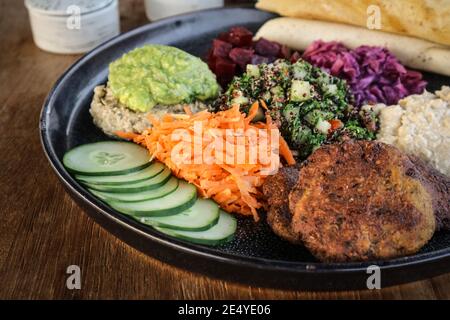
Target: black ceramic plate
<point x="256" y="256"/>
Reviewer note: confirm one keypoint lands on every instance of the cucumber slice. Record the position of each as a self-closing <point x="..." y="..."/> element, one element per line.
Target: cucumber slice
<point x="149" y="184"/>
<point x="201" y="216"/>
<point x="134" y="177"/>
<point x="168" y="187"/>
<point x="181" y="199"/>
<point x="106" y="158"/>
<point x="222" y="232"/>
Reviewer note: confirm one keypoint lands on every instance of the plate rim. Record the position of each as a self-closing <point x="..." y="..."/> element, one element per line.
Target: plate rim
<point x="269" y="265"/>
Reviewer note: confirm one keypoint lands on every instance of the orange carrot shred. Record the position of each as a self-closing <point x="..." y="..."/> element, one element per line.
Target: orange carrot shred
<point x="252" y="112"/>
<point x="234" y="184"/>
<point x="264" y="105"/>
<point x="126" y="135"/>
<point x="286" y="152"/>
<point x="188" y="110"/>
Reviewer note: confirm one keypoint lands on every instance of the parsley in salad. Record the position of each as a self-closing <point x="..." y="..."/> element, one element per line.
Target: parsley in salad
<point x="309" y="106"/>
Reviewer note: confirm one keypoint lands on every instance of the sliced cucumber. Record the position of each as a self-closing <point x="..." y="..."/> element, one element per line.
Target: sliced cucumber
<point x="201" y="216"/>
<point x="106" y="158"/>
<point x="134" y="177"/>
<point x="181" y="199"/>
<point x="165" y="189"/>
<point x="149" y="184"/>
<point x="222" y="232"/>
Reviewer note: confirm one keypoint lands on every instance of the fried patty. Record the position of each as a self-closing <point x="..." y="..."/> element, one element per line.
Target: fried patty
<point x="438" y="185"/>
<point x="361" y="200"/>
<point x="276" y="191"/>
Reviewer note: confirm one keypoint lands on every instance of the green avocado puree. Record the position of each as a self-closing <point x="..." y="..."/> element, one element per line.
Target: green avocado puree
<point x="160" y="75"/>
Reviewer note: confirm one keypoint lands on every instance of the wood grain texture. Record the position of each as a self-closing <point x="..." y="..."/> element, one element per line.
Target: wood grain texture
<point x="42" y="231"/>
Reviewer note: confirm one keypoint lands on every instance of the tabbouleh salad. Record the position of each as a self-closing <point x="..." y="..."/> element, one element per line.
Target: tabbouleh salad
<point x="309" y="106"/>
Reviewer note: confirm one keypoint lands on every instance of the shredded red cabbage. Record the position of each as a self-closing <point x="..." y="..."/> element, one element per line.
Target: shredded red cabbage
<point x="373" y="73"/>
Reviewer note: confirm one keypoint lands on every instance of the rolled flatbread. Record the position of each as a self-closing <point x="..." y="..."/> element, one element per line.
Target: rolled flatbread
<point x="413" y="52"/>
<point x="425" y="19"/>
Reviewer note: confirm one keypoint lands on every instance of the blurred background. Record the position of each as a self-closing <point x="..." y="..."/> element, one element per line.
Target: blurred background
<point x="77" y="26"/>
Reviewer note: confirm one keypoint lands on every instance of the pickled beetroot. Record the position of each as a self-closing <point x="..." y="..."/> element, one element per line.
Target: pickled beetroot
<point x="267" y="48"/>
<point x="226" y="68"/>
<point x="285" y="52"/>
<point x="232" y="51"/>
<point x="242" y="57"/>
<point x="221" y="48"/>
<point x="295" y="57"/>
<point x="257" y="59"/>
<point x="240" y="37"/>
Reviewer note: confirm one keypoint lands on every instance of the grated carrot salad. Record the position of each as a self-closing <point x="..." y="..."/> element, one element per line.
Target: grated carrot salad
<point x="234" y="185"/>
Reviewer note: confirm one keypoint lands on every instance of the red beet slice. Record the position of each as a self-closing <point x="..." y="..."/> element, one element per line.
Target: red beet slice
<point x="232" y="51"/>
<point x="285" y="52"/>
<point x="267" y="48"/>
<point x="257" y="59"/>
<point x="225" y="70"/>
<point x="221" y="48"/>
<point x="240" y="37"/>
<point x="211" y="61"/>
<point x="223" y="36"/>
<point x="241" y="56"/>
<point x="295" y="57"/>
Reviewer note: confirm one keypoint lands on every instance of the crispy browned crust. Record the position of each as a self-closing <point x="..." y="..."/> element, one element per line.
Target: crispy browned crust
<point x="438" y="185"/>
<point x="361" y="200"/>
<point x="276" y="190"/>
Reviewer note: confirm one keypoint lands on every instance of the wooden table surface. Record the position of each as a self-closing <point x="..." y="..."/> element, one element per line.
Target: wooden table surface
<point x="42" y="231"/>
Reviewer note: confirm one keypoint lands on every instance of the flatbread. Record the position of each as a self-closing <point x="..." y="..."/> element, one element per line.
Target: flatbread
<point x="425" y="19"/>
<point x="413" y="52"/>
